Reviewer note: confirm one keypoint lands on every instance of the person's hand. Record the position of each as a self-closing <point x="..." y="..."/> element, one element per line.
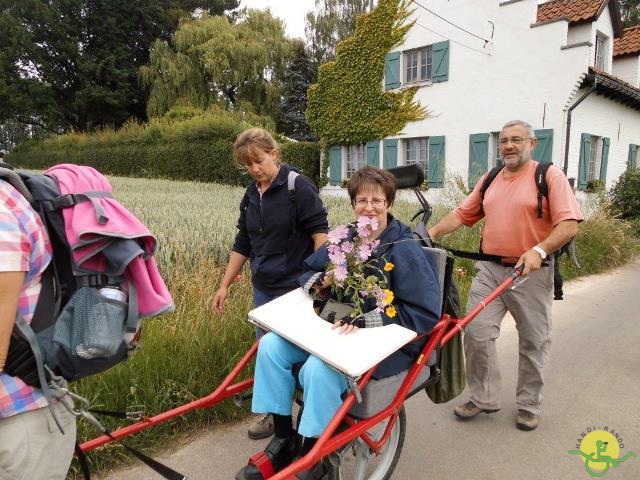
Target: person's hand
<point x="220" y="299"/>
<point x="343" y="327"/>
<point x="531" y="261"/>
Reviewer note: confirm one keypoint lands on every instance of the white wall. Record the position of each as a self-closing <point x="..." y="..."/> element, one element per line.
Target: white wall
<point x="580" y="33"/>
<point x="522" y="73"/>
<point x="627" y="69"/>
<point x="600" y="116"/>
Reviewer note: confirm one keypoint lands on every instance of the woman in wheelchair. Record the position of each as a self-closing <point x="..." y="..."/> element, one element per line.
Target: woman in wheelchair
<point x="417" y="296"/>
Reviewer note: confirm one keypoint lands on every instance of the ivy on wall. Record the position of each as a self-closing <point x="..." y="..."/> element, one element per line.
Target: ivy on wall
<point x="349" y="105"/>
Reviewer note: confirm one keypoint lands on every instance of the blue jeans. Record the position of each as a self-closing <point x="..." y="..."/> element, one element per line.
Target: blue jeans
<point x="274" y="384"/>
<point x="259" y="299"/>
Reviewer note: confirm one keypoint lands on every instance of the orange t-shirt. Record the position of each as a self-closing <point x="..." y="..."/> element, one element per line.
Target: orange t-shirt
<point x="510" y="209"/>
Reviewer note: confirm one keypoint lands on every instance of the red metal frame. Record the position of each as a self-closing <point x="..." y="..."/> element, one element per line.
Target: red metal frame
<point x="327" y="443"/>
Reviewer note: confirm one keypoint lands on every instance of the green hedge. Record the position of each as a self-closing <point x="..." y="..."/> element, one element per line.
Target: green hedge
<point x="198" y="148"/>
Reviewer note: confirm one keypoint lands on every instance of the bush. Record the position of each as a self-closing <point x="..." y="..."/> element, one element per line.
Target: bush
<point x="187" y="144"/>
<point x="625" y="196"/>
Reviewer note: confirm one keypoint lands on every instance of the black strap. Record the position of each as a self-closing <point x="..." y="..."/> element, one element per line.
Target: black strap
<point x="82" y="460"/>
<point x="291" y="187"/>
<point x="473" y="255"/>
<point x="541" y="183"/>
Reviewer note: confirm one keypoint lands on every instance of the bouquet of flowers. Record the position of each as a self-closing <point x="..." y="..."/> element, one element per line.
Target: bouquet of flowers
<point x="349" y="259"/>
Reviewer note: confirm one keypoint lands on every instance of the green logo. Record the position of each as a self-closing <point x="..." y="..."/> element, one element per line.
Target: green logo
<point x="600" y="450"/>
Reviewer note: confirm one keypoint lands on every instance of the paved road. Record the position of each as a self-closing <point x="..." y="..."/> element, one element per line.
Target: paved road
<point x="594" y="382"/>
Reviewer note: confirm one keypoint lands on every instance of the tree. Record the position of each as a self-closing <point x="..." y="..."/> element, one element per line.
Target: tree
<point x="300" y="73"/>
<point x="211" y="61"/>
<point x="333" y="21"/>
<point x="630" y="12"/>
<point x="348" y="104"/>
<point x="72" y="64"/>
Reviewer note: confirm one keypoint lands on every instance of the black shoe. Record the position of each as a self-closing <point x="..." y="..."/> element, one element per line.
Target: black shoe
<point x="280" y="452"/>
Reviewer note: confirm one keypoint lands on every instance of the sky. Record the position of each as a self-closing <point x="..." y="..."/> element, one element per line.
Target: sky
<point x="291" y="11"/>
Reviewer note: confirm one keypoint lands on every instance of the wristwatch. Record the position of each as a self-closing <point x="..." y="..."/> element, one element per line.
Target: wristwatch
<point x="540" y="251"/>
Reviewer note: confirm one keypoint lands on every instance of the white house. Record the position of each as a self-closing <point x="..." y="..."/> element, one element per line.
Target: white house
<point x="565" y="66"/>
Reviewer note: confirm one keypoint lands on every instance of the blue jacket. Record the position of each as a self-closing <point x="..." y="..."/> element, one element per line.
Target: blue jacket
<point x="415" y="285"/>
<point x="266" y="234"/>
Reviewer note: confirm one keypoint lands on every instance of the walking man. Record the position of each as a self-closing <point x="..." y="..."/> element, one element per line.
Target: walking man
<point x="513" y="230"/>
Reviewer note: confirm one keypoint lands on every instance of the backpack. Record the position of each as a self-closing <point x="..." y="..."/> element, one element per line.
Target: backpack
<point x="101" y="281"/>
<point x="568" y="248"/>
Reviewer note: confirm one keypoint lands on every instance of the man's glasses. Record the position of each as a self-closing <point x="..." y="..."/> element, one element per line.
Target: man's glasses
<point x="375" y="202"/>
<point x="514" y="140"/>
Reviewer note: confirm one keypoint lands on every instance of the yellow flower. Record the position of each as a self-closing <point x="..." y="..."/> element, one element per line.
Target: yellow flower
<point x="388" y="299"/>
<point x="390" y="311"/>
<point x="388" y="266"/>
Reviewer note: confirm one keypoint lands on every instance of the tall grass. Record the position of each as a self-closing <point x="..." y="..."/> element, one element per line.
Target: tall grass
<point x="186" y="354"/>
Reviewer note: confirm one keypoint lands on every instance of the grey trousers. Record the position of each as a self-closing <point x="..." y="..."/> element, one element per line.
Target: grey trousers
<point x="530" y="306"/>
<point x="33" y="448"/>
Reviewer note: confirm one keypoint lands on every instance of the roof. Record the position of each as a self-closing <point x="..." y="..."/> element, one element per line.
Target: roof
<point x="612" y="87"/>
<point x="579" y="11"/>
<point x="575" y="10"/>
<point x="628" y="43"/>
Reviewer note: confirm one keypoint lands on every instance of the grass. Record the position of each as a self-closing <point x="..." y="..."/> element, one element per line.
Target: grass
<point x="186" y="354"/>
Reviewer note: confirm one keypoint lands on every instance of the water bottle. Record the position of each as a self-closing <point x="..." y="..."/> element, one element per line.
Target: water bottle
<point x="114" y="293"/>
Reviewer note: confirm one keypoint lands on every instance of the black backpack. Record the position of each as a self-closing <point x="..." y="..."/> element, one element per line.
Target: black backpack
<point x="568" y="248"/>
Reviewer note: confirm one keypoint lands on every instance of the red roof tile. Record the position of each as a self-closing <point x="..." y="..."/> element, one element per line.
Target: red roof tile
<point x="628" y="43"/>
<point x="575" y="10"/>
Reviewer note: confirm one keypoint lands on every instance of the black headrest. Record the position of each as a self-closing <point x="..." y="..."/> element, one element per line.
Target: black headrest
<point x="409" y="176"/>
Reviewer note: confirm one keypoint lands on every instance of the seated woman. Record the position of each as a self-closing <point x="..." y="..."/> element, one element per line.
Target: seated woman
<point x="414" y="283"/>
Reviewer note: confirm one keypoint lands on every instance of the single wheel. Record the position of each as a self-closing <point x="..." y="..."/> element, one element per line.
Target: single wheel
<point x="356" y="461"/>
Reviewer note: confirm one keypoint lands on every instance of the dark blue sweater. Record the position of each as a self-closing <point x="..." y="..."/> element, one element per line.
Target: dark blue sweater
<point x="265" y="234"/>
<point x="414" y="283"/>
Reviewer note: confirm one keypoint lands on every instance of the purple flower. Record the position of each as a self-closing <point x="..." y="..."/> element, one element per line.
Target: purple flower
<point x="364" y="251"/>
<point x="338" y="257"/>
<point x="347" y="247"/>
<point x="366" y="225"/>
<point x="340" y="273"/>
<point x="338" y="234"/>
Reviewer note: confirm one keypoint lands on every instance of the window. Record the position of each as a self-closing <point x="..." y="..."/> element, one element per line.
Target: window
<point x="602" y="52"/>
<point x="418" y="64"/>
<point x="495" y="158"/>
<point x="595" y="153"/>
<point x="417" y="152"/>
<point x="429" y="63"/>
<point x="354" y="159"/>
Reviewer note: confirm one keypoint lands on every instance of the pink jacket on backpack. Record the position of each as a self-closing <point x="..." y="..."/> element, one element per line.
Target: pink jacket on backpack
<point x="100" y="224"/>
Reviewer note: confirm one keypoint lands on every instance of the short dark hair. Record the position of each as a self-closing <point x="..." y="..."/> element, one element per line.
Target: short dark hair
<point x="372" y="177"/>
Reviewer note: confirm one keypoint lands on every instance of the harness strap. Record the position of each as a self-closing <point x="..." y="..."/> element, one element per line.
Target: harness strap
<point x="263" y="463"/>
<point x="72" y="199"/>
<point x="291" y="187"/>
<point x="28" y="334"/>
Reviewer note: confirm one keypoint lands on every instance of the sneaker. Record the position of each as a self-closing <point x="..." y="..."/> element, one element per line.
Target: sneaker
<point x="469" y="410"/>
<point x="261" y="428"/>
<point x="527" y="420"/>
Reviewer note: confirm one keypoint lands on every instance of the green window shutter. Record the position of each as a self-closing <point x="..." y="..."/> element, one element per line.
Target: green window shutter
<point x="373" y="153"/>
<point x="390" y="153"/>
<point x="478" y="156"/>
<point x="392" y="70"/>
<point x="604" y="160"/>
<point x="544" y="149"/>
<point x="583" y="165"/>
<point x="335" y="165"/>
<point x="632" y="162"/>
<point x="436" y="162"/>
<point x="440" y="58"/>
